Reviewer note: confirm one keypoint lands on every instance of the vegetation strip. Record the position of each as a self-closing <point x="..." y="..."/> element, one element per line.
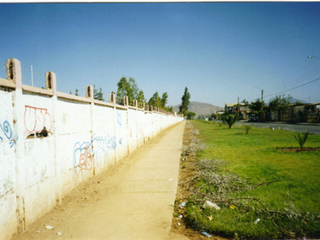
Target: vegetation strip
<point x="261" y="192"/>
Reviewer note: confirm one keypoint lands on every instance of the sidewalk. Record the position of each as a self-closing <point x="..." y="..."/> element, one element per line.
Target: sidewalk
<point x="135" y="199"/>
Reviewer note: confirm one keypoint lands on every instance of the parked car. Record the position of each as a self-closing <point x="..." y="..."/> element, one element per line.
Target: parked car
<point x="253" y="118"/>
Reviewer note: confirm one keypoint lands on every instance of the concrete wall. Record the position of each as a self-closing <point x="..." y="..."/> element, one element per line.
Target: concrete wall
<point x="85" y="136"/>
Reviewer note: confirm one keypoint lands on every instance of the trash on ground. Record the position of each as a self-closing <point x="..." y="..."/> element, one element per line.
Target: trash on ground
<point x="182" y="204"/>
<point x="181" y="216"/>
<point x="210" y="218"/>
<point x="59" y="233"/>
<point x="170" y="179"/>
<point x="205" y="234"/>
<point x="209" y="204"/>
<point x="49" y="227"/>
<point x="38" y="231"/>
<point x="257" y="220"/>
<point x="179" y="223"/>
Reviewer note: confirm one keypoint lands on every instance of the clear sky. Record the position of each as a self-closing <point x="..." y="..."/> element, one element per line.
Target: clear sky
<point x="220" y="51"/>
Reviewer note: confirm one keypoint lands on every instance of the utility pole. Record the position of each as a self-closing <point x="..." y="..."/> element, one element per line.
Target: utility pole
<point x="238" y="108"/>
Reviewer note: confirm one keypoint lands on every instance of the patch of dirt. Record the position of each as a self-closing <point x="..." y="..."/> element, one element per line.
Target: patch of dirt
<point x="298" y="149"/>
<point x="187" y="173"/>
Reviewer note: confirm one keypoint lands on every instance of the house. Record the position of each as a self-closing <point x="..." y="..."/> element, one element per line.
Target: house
<point x="298" y="113"/>
<point x="233" y="108"/>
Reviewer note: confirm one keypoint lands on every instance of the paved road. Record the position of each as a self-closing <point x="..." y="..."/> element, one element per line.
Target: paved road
<point x="134" y="199"/>
<point x="315" y="129"/>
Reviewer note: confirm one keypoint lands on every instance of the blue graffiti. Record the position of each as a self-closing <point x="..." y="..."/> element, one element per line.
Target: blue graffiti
<point x="119" y="118"/>
<point x="105" y="143"/>
<point x="82" y="156"/>
<point x="7" y="130"/>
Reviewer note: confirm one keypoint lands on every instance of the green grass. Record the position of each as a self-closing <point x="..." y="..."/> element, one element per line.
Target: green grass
<point x="256" y="156"/>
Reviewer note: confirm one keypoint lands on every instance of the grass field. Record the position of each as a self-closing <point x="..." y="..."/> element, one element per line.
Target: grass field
<point x="250" y="178"/>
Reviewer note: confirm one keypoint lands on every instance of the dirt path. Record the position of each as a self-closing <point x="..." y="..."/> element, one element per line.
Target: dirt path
<point x="131" y="200"/>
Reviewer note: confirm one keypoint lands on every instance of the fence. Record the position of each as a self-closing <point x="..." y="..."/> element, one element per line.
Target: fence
<point x="51" y="141"/>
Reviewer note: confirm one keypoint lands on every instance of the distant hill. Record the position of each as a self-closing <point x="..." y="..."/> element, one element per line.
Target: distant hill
<point x="294" y="100"/>
<point x="201" y="109"/>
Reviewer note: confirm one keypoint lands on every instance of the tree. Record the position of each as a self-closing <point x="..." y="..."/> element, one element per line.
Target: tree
<point x="129" y="88"/>
<point x="190" y="115"/>
<point x="123" y="85"/>
<point x="169" y="109"/>
<point x="245" y="102"/>
<point x="97" y="93"/>
<point x="185" y="102"/>
<point x="256" y="106"/>
<point x="164" y="100"/>
<point x="155" y="100"/>
<point x="76" y="93"/>
<point x="141" y="98"/>
<point x="230" y="119"/>
<point x="279" y="103"/>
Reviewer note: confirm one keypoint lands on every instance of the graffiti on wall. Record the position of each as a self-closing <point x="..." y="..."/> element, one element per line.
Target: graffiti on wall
<point x="35" y="119"/>
<point x="83" y="152"/>
<point x="6" y="130"/>
<point x="104" y="144"/>
<point x="82" y="157"/>
<point x="119" y="118"/>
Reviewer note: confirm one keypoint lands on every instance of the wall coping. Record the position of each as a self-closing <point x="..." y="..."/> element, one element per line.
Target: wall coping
<point x="7" y="83"/>
<point x="37" y="90"/>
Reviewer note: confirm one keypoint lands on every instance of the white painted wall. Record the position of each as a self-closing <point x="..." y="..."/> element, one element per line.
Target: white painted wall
<point x="84" y="139"/>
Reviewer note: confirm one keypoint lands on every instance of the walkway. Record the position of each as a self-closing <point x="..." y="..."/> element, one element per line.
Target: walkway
<point x="131" y="200"/>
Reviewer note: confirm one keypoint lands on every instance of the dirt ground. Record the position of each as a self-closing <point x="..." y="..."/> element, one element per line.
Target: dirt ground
<point x="305" y="149"/>
<point x="187" y="172"/>
<point x="132" y="199"/>
<point x="73" y="218"/>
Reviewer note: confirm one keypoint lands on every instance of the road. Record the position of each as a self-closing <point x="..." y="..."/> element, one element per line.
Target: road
<point x="133" y="199"/>
<point x="302" y="127"/>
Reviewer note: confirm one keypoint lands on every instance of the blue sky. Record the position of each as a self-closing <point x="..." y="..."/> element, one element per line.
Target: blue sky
<point x="220" y="51"/>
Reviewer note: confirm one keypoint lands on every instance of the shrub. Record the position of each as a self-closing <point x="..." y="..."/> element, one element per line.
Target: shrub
<point x="302" y="138"/>
<point x="230" y="119"/>
<point x="247" y="128"/>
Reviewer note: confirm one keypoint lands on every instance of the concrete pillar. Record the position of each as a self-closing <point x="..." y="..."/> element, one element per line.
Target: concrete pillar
<point x="14" y="72"/>
<point x="112" y="98"/>
<point x="51" y="82"/>
<point x="143" y="106"/>
<point x="126" y="101"/>
<point x="89" y="92"/>
<point x="147" y="108"/>
<point x="135" y="103"/>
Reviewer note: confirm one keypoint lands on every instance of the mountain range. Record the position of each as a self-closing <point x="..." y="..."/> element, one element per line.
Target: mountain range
<point x="201" y="109"/>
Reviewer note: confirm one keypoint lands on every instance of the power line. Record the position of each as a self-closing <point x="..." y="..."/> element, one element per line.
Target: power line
<point x="293" y="87"/>
<point x="2" y="68"/>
